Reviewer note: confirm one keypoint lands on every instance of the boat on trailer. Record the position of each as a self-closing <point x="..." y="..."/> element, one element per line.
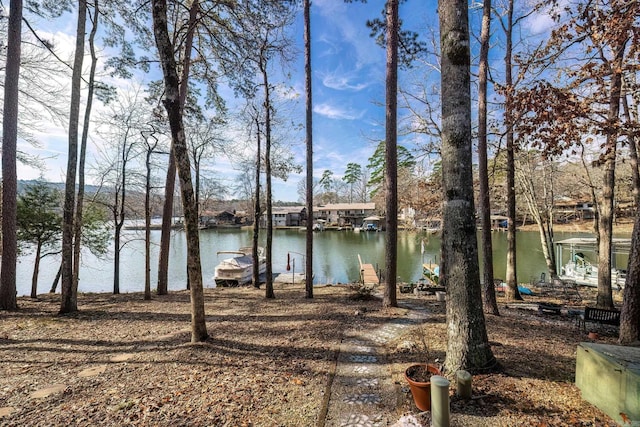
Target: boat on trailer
<point x="238" y="269"/>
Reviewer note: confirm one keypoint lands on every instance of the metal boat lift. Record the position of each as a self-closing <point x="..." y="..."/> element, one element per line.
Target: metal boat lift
<point x="587" y="245"/>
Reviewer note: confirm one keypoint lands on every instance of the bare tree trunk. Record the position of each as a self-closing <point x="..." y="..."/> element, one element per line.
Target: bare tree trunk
<point x="77" y="234"/>
<point x="630" y="313"/>
<point x="116" y="257"/>
<point x="36" y="269"/>
<point x="165" y="233"/>
<point x="547" y="228"/>
<point x="56" y="279"/>
<point x="309" y="128"/>
<point x="511" y="277"/>
<point x="269" y="293"/>
<point x="170" y="182"/>
<point x="604" y="299"/>
<point x="8" y="300"/>
<point x="147" y="227"/>
<point x="488" y="290"/>
<point x="174" y="112"/>
<point x="391" y="156"/>
<point x="257" y="211"/>
<point x="69" y="301"/>
<point x="468" y="345"/>
<point x="605" y="220"/>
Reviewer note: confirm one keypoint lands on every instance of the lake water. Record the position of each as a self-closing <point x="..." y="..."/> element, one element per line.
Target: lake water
<point x="335" y="258"/>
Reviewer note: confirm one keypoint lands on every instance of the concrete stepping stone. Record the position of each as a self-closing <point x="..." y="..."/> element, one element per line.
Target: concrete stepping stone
<point x="122" y="357"/>
<point x="363" y="399"/>
<point x="6" y="410"/>
<point x="360" y="420"/>
<point x="48" y="391"/>
<point x="408" y="421"/>
<point x="367" y="382"/>
<point x="358" y="369"/>
<point x="362" y="358"/>
<point x="92" y="371"/>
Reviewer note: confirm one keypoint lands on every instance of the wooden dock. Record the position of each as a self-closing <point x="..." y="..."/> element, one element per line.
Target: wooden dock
<point x="368" y="275"/>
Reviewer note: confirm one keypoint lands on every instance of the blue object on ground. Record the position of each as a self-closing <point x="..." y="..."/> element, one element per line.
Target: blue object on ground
<point x="525" y="291"/>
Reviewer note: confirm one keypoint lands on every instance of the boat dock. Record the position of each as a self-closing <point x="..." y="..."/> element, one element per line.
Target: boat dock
<point x="368" y="275"/>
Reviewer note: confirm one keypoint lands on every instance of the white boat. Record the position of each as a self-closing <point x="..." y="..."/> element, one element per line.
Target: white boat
<point x="432" y="226"/>
<point x="579" y="269"/>
<point x="238" y="270"/>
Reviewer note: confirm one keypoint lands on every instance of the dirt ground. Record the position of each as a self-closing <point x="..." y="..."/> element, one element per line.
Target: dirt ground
<point x="125" y="361"/>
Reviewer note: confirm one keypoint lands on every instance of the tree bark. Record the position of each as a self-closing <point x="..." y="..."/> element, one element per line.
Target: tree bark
<point x="488" y="289"/>
<point x="8" y="300"/>
<point x="167" y="219"/>
<point x="309" y="134"/>
<point x="468" y="345"/>
<point x="147" y="228"/>
<point x="604" y="298"/>
<point x="56" y="279"/>
<point x="170" y="182"/>
<point x="36" y="269"/>
<point x="174" y="112"/>
<point x="256" y="209"/>
<point x="116" y="256"/>
<point x="269" y="293"/>
<point x="77" y="232"/>
<point x="391" y="156"/>
<point x="69" y="301"/>
<point x="511" y="276"/>
<point x="630" y="312"/>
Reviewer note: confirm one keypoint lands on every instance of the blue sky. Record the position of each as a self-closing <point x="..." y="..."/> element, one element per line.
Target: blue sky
<point x="348" y="90"/>
<point x="348" y="70"/>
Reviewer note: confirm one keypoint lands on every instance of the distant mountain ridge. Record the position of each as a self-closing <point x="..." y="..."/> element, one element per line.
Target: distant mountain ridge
<point x="24" y="183"/>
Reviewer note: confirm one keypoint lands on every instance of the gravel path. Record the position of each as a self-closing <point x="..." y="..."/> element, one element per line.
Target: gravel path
<point x="363" y="393"/>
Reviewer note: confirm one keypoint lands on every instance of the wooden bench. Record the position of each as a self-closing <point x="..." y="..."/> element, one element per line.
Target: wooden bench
<point x="599" y="315"/>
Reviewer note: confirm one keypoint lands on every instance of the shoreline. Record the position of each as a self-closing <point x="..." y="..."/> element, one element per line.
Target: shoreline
<point x="622" y="226"/>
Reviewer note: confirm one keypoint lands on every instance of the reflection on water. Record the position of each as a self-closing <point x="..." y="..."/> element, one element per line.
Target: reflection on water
<point x="335" y="257"/>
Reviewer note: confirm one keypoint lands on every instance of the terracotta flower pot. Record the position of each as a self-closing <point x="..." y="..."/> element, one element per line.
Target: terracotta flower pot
<point x="420" y="386"/>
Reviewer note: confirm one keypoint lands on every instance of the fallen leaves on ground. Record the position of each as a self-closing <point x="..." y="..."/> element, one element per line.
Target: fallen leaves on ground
<point x="266" y="363"/>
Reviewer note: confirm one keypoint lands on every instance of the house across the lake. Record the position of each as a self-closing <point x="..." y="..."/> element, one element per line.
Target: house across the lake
<point x="288" y="216"/>
<point x="566" y="209"/>
<point x="333" y="214"/>
<point x="222" y="219"/>
<point x="344" y="214"/>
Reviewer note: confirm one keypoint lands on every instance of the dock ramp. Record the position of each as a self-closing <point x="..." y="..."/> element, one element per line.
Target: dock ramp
<point x="368" y="275"/>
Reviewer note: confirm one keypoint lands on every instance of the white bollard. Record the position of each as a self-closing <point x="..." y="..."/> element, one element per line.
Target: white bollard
<point x="439" y="401"/>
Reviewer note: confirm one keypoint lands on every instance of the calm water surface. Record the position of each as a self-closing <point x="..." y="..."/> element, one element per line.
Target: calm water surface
<point x="335" y="258"/>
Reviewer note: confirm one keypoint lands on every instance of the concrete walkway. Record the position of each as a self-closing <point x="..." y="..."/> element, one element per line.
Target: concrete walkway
<point x="362" y="392"/>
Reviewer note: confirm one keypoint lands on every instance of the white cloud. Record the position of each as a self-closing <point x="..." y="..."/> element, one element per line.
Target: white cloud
<point x="343" y="82"/>
<point x="540" y="23"/>
<point x="333" y="112"/>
